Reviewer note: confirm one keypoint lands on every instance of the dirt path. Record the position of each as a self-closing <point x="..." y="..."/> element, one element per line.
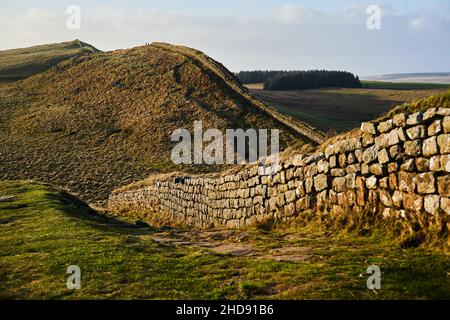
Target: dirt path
<point x="236" y="243"/>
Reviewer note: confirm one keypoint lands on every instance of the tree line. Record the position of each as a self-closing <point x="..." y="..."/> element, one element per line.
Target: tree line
<point x="296" y="80"/>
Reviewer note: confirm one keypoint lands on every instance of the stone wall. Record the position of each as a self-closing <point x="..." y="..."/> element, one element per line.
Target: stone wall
<point x="399" y="168"/>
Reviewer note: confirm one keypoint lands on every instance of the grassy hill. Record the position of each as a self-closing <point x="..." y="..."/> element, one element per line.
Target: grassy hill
<point x="21" y="63"/>
<point x="44" y="230"/>
<point x="98" y="121"/>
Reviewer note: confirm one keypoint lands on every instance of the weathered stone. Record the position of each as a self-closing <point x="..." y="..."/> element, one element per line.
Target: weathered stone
<point x="385" y="126"/>
<point x="393" y="181"/>
<point x="382" y="141"/>
<point x="350" y="181"/>
<point x="430" y="113"/>
<point x="413" y="148"/>
<point x="446" y="124"/>
<point x="333" y="162"/>
<point x="349" y="145"/>
<point x="367" y="139"/>
<point x="407" y="165"/>
<point x="406" y="182"/>
<point x="444" y="143"/>
<point x="400" y="120"/>
<point x="383" y="156"/>
<point x="342" y="160"/>
<point x="392" y="167"/>
<point x="435" y="128"/>
<point x="414" y="119"/>
<point x="397" y="199"/>
<point x="413" y="202"/>
<point x="422" y="164"/>
<point x="393" y="137"/>
<point x="320" y="182"/>
<point x="432" y="204"/>
<point x="445" y="162"/>
<point x="401" y="134"/>
<point x="395" y="152"/>
<point x="364" y="168"/>
<point x="351" y="158"/>
<point x="339" y="184"/>
<point x="377" y="169"/>
<point x="417" y="132"/>
<point x="386" y="198"/>
<point x="430" y="147"/>
<point x="371" y="183"/>
<point x="368" y="127"/>
<point x="370" y="154"/>
<point x="444" y="185"/>
<point x="290" y="196"/>
<point x="426" y="183"/>
<point x="435" y="164"/>
<point x="445" y="205"/>
<point x="353" y="168"/>
<point x="323" y="166"/>
<point x="443" y="112"/>
<point x="337" y="172"/>
<point x="384" y="183"/>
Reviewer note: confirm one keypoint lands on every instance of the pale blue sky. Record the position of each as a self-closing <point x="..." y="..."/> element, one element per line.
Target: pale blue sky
<point x="251" y="34"/>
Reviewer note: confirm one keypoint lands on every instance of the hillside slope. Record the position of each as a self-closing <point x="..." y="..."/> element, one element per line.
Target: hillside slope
<point x="21" y="63"/>
<point x="98" y="121"/>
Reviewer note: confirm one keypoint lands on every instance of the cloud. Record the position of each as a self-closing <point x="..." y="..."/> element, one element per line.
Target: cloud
<point x="291" y="37"/>
<point x="417" y="23"/>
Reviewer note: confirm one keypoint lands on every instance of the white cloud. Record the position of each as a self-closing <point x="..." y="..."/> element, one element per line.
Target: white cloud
<point x="292" y="37"/>
<point x="417" y="23"/>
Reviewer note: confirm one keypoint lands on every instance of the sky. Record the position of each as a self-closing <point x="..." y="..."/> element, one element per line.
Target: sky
<point x="414" y="35"/>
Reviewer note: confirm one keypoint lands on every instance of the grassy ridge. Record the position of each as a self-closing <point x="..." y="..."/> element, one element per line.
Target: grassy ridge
<point x="44" y="230"/>
<point x="17" y="64"/>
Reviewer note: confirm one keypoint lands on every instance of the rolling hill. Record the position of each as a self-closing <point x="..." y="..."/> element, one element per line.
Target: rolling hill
<point x="21" y="63"/>
<point x="101" y="120"/>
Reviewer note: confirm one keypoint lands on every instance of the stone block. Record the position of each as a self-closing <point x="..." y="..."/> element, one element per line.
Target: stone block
<point x="414" y="119"/>
<point x="432" y="204"/>
<point x="383" y="156"/>
<point x="422" y="164"/>
<point x="320" y="182"/>
<point x="443" y="141"/>
<point x="406" y="181"/>
<point x="368" y="127"/>
<point x="417" y="132"/>
<point x="371" y="183"/>
<point x="400" y="120"/>
<point x="443" y="184"/>
<point x="430" y="147"/>
<point x="426" y="183"/>
<point x="413" y="148"/>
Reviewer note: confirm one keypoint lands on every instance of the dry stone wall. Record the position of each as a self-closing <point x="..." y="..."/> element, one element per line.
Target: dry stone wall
<point x="398" y="168"/>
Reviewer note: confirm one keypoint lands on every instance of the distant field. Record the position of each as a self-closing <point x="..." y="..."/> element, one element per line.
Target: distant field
<point x="404" y="85"/>
<point x="335" y="110"/>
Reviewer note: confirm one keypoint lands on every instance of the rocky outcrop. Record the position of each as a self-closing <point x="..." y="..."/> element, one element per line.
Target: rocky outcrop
<point x="398" y="168"/>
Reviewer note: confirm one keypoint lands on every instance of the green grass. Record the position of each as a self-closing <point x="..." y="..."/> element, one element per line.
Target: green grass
<point x="45" y="230"/>
<point x="17" y="64"/>
<point x="403" y="85"/>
